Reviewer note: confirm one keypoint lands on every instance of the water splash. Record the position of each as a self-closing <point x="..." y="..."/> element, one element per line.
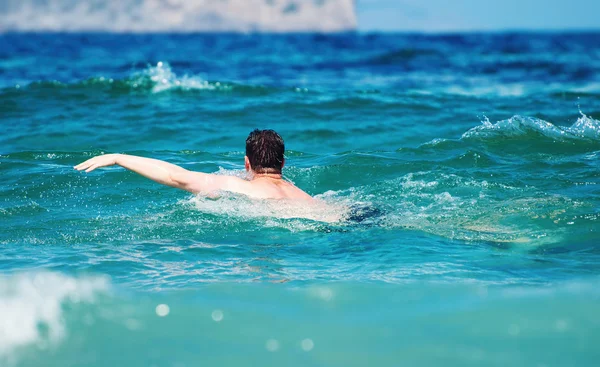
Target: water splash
<point x="294" y="215"/>
<point x="517" y="126"/>
<point x="163" y="78"/>
<point x="31" y="307"/>
<point x="468" y="209"/>
<point x="585" y="127"/>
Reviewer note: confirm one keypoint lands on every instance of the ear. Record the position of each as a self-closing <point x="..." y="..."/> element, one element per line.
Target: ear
<point x="247" y="163"/>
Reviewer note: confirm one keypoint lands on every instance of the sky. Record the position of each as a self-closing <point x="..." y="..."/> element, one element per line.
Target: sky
<point x="473" y="15"/>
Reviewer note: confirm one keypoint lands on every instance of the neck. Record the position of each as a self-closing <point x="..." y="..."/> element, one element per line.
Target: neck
<point x="274" y="176"/>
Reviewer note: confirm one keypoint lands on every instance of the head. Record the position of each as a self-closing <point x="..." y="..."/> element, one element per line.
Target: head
<point x="264" y="152"/>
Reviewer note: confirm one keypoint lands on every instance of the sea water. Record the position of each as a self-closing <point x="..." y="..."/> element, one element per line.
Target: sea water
<point x="459" y="174"/>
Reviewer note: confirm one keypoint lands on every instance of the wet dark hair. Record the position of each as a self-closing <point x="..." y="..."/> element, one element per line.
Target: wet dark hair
<point x="264" y="149"/>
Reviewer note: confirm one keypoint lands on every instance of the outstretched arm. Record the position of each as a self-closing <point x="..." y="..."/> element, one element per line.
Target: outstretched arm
<point x="159" y="171"/>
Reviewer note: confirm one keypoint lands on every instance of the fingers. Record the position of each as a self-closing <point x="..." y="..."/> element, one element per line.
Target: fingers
<point x="96" y="162"/>
<point x="87" y="165"/>
<point x="92" y="167"/>
<point x="84" y="165"/>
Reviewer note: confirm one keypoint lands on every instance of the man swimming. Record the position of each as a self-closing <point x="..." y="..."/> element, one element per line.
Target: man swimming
<point x="264" y="162"/>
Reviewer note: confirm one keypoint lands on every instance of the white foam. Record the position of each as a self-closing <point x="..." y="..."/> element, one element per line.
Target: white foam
<point x="271" y="211"/>
<point x="481" y="89"/>
<point x="30" y="300"/>
<point x="326" y="208"/>
<point x="163" y="78"/>
<point x="467" y="209"/>
<point x="585" y="127"/>
<point x="178" y="15"/>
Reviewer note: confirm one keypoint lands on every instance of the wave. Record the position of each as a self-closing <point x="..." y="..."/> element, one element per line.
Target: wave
<point x="585" y="128"/>
<point x="31" y="307"/>
<point x="161" y="77"/>
<point x="527" y="137"/>
<point x="158" y="78"/>
<point x="153" y="79"/>
<point x="176" y="15"/>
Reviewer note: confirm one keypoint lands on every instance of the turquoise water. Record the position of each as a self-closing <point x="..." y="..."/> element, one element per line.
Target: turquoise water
<point x="460" y="174"/>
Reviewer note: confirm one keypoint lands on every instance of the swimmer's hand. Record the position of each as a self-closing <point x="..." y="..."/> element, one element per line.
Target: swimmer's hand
<point x="97" y="162"/>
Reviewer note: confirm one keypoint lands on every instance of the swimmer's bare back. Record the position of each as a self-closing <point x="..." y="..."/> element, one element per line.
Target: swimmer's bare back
<point x="274" y="188"/>
<point x="262" y="186"/>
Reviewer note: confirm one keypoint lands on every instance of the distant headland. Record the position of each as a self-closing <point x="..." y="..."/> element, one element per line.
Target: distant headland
<point x="178" y="15"/>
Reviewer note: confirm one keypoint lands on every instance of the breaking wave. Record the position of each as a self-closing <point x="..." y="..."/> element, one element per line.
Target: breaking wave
<point x="32" y="307"/>
<point x="156" y="78"/>
<point x="161" y="77"/>
<point x="585" y="128"/>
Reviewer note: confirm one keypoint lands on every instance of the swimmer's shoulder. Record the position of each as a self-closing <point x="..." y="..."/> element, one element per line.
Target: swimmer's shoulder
<point x="291" y="191"/>
<point x="284" y="190"/>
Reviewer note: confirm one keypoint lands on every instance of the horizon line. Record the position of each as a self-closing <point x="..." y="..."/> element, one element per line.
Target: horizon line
<point x="301" y="32"/>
